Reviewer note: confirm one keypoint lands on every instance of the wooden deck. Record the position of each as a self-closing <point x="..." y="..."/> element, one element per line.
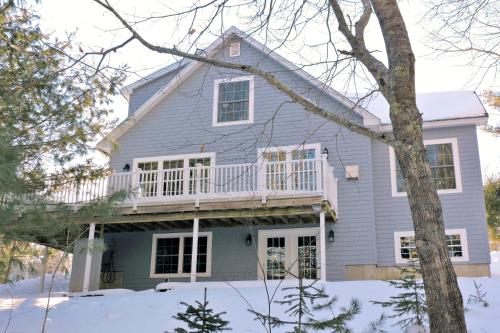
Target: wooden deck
<point x="244" y="211"/>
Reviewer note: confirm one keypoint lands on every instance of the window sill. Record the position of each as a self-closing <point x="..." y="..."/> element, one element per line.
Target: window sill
<point x="177" y="275"/>
<point x="229" y="123"/>
<point x="449" y="191"/>
<point x="405" y="262"/>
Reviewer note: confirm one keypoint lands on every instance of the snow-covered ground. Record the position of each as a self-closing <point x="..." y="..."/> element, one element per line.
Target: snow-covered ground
<point x="149" y="311"/>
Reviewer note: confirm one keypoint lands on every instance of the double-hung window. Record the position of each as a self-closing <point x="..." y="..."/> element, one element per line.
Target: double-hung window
<point x="171" y="255"/>
<point x="442" y="157"/>
<point x="456" y="241"/>
<point x="233" y="101"/>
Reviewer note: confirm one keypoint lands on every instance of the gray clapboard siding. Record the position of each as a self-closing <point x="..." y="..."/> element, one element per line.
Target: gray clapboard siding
<point x="181" y="122"/>
<point x="368" y="214"/>
<point x="460" y="210"/>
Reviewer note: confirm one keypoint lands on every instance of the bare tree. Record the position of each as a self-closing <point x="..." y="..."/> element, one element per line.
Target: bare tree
<point x="470" y="28"/>
<point x="345" y="48"/>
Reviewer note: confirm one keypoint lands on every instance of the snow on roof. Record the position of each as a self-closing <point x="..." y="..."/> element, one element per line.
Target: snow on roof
<point x="434" y="106"/>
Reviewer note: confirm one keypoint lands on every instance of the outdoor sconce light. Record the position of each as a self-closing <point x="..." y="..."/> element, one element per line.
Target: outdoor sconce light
<point x="325" y="151"/>
<point x="331" y="236"/>
<point x="126" y="167"/>
<point x="248" y="241"/>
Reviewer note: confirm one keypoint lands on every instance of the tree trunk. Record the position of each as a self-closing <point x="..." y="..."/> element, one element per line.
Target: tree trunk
<point x="444" y="300"/>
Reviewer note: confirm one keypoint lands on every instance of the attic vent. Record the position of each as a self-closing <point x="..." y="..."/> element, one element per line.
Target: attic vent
<point x="234" y="49"/>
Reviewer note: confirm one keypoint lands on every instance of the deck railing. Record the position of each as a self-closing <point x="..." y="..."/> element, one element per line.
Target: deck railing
<point x="309" y="176"/>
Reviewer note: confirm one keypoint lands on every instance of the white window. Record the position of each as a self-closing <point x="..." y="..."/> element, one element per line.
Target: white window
<point x="171" y="255"/>
<point x="293" y="168"/>
<point x="174" y="175"/>
<point x="286" y="253"/>
<point x="442" y="156"/>
<point x="233" y="101"/>
<point x="456" y="240"/>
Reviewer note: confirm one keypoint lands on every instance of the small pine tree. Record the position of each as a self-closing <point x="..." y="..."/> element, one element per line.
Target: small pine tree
<point x="479" y="296"/>
<point x="302" y="302"/>
<point x="201" y="319"/>
<point x="377" y="325"/>
<point x="410" y="304"/>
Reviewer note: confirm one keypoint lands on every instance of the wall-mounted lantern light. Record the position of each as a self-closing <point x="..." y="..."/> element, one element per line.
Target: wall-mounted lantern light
<point x="126" y="167"/>
<point x="325" y="152"/>
<point x="331" y="236"/>
<point x="248" y="240"/>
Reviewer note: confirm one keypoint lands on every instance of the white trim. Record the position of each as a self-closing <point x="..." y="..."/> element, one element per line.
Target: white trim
<point x="185" y="157"/>
<point x="463" y="242"/>
<point x="181" y="236"/>
<point x="456" y="166"/>
<point x="251" y="91"/>
<point x="290" y="236"/>
<point x="440" y="123"/>
<point x="194" y="248"/>
<point x="322" y="243"/>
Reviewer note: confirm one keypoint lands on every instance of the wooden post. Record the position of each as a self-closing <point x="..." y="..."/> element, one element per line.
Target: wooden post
<point x="324" y="169"/>
<point x="45" y="262"/>
<point x="88" y="259"/>
<point x="322" y="244"/>
<point x="194" y="248"/>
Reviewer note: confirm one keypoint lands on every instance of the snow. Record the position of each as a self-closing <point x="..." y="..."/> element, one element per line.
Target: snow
<point x="495" y="264"/>
<point x="32" y="286"/>
<point x="434" y="106"/>
<point x="151" y="311"/>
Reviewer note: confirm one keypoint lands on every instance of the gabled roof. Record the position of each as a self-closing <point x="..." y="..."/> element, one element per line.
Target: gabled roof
<point x="438" y="109"/>
<point x="105" y="144"/>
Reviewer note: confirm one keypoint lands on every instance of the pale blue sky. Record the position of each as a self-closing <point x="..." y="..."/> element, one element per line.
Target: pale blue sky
<point x="95" y="28"/>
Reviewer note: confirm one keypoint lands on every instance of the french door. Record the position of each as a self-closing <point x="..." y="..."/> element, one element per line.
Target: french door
<point x="289" y="253"/>
<point x="290" y="168"/>
<point x="170" y="176"/>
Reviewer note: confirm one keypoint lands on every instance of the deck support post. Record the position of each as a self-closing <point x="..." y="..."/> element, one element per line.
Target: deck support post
<point x="88" y="259"/>
<point x="322" y="244"/>
<point x="194" y="248"/>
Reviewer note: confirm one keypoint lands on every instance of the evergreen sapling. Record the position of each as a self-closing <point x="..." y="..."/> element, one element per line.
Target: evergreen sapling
<point x="409" y="305"/>
<point x="201" y="319"/>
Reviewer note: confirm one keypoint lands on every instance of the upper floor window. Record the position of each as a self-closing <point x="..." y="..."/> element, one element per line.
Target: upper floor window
<point x="233" y="101"/>
<point x="442" y="156"/>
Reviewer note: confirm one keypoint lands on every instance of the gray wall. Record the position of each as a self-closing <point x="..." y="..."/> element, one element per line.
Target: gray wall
<point x="182" y="122"/>
<point x="232" y="259"/>
<point x="460" y="210"/>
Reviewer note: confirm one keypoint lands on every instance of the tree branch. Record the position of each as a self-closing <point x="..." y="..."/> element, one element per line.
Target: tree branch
<point x="357" y="42"/>
<point x="268" y="77"/>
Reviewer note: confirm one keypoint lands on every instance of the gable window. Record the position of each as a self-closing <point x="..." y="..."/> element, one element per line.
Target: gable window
<point x="171" y="255"/>
<point x="456" y="241"/>
<point x="233" y="101"/>
<point x="442" y="157"/>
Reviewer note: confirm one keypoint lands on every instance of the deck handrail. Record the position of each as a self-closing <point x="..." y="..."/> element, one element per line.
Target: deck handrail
<point x="264" y="178"/>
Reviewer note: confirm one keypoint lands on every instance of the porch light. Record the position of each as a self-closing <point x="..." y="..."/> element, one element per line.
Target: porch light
<point x="126" y="167"/>
<point x="325" y="152"/>
<point x="331" y="236"/>
<point x="248" y="241"/>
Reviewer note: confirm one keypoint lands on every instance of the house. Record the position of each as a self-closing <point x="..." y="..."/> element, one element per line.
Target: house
<point x="232" y="181"/>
